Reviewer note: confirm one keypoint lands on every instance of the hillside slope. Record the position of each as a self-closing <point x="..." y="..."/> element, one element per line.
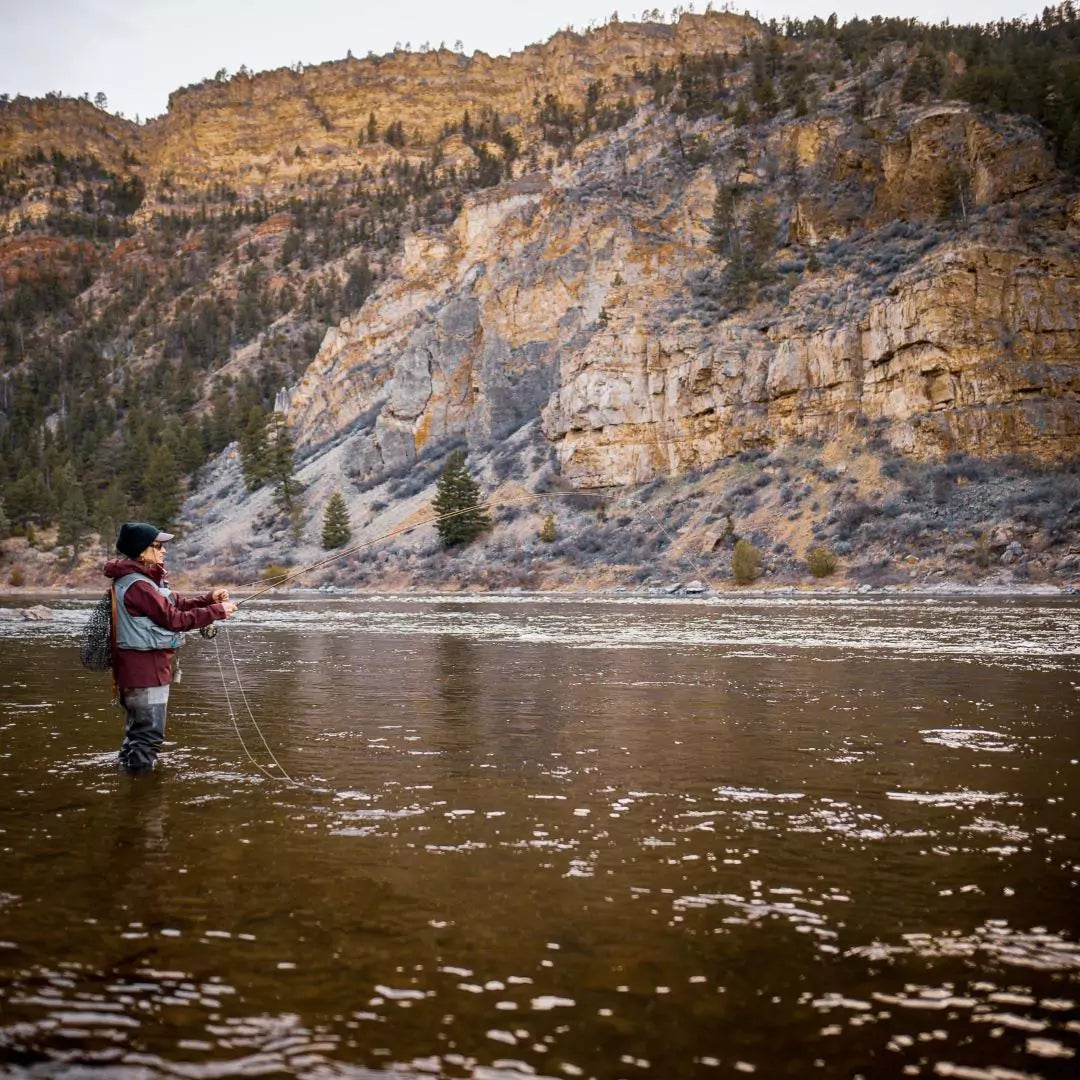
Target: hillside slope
<point x="748" y="285"/>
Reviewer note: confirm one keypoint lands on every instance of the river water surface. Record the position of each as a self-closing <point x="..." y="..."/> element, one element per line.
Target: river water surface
<point x="554" y="838"/>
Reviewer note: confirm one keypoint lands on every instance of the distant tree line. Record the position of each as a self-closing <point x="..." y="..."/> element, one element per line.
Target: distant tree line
<point x="1025" y="66"/>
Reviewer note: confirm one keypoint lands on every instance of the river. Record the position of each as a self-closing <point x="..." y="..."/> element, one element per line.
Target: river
<point x="516" y="837"/>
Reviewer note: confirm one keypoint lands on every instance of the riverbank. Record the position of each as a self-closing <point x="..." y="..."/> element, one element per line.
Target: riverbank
<point x="33" y="571"/>
<point x="36" y="597"/>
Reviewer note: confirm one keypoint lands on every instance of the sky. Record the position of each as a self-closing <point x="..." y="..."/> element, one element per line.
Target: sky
<point x="137" y="51"/>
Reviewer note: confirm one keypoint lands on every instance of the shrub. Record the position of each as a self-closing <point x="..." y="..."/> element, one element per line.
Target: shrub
<point x="411" y="485"/>
<point x="959" y="466"/>
<point x="910" y="526"/>
<point x="1051" y="503"/>
<point x="941" y="487"/>
<point x="547" y="530"/>
<point x="851" y="517"/>
<point x="821" y="561"/>
<point x="17" y="577"/>
<point x="739" y="490"/>
<point x="745" y="562"/>
<point x="273" y="570"/>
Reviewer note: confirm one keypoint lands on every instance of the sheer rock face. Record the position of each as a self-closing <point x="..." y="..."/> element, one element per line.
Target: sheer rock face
<point x="880" y="171"/>
<point x="977" y="351"/>
<point x="573" y="298"/>
<point x="458" y="343"/>
<point x="924" y="163"/>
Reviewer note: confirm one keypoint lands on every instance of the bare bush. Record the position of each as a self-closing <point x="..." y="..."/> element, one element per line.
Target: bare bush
<point x="821" y="561"/>
<point x="745" y="562"/>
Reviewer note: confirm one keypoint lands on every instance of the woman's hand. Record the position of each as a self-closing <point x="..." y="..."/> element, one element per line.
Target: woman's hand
<point x="219" y="596"/>
<point x="229" y="608"/>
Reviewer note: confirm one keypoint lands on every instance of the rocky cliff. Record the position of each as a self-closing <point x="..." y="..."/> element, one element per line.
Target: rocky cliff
<point x="266" y="134"/>
<point x="217" y="133"/>
<point x="578" y="297"/>
<point x="666" y="298"/>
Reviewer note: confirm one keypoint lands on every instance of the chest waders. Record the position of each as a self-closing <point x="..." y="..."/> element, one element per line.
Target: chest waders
<point x="145" y="706"/>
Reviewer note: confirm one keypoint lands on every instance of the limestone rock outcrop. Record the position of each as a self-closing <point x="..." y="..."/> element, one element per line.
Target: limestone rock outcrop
<point x="965" y="354"/>
<point x="573" y="298"/>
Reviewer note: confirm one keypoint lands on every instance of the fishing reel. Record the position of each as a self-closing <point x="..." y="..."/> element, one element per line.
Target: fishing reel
<point x="208" y="632"/>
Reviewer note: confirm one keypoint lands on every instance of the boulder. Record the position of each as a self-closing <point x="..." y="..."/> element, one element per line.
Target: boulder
<point x="962" y="550"/>
<point x="1012" y="553"/>
<point x="1001" y="536"/>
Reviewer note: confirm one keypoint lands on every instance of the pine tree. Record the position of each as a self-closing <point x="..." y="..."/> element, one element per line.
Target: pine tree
<point x="192" y="447"/>
<point x="336" y="531"/>
<point x="162" y="500"/>
<point x="136" y="455"/>
<point x="254" y="449"/>
<point x="859" y="100"/>
<point x="74" y="520"/>
<point x="548" y="532"/>
<point x="457" y="493"/>
<point x="62" y="481"/>
<point x="761" y="230"/>
<point x="110" y="510"/>
<point x="723" y="232"/>
<point x="28" y="499"/>
<point x="359" y="283"/>
<point x="281" y="470"/>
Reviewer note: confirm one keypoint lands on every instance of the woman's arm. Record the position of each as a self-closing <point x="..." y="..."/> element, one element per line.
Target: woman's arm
<point x="186" y="603"/>
<point x="143" y="599"/>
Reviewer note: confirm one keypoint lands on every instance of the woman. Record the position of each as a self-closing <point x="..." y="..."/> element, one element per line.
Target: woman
<point x="148" y="622"/>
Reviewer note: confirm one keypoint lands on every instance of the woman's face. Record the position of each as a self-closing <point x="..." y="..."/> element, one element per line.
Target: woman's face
<point x="154" y="554"/>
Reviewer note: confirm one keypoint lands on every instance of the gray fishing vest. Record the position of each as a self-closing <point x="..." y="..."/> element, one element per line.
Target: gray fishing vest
<point x="137" y="631"/>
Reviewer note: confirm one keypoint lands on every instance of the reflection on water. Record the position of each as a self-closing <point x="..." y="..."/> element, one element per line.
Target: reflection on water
<point x="555" y="839"/>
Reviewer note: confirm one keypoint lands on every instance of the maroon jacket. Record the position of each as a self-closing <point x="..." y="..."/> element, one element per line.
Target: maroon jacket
<point x="135" y="668"/>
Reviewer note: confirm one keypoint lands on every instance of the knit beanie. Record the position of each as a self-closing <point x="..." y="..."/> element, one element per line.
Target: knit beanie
<point x="136" y="536"/>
